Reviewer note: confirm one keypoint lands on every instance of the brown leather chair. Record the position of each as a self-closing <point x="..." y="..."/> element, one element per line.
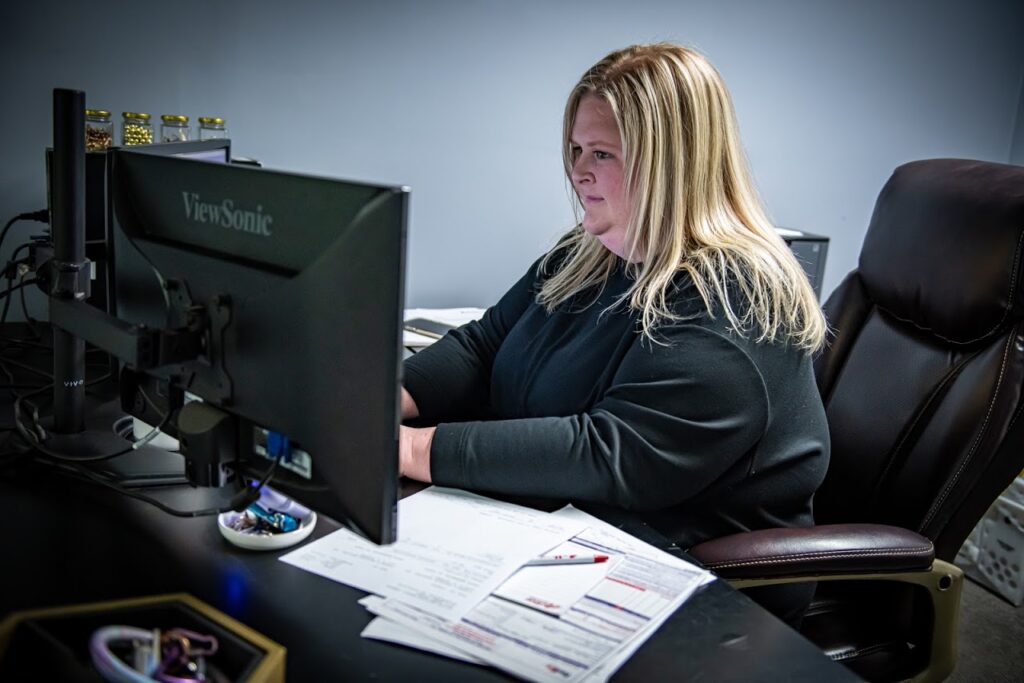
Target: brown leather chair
<point x="922" y="385"/>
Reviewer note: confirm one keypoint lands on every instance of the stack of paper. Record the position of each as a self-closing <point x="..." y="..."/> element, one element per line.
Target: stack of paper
<point x="454" y="584"/>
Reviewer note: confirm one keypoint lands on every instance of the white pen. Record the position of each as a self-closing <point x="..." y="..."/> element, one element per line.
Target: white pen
<point x="566" y="559"/>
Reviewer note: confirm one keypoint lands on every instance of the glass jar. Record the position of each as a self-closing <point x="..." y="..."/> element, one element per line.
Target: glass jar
<point x="173" y="128"/>
<point x="212" y="128"/>
<point x="136" y="129"/>
<point x="99" y="130"/>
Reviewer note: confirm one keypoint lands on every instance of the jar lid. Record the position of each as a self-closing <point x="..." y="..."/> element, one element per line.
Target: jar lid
<point x="97" y="112"/>
<point x="135" y="115"/>
<point x="175" y="117"/>
<point x="211" y="119"/>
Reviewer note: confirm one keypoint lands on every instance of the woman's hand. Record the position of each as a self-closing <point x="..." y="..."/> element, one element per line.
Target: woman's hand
<point x="414" y="452"/>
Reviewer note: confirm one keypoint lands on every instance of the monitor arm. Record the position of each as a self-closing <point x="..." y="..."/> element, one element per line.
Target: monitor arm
<point x="138" y="346"/>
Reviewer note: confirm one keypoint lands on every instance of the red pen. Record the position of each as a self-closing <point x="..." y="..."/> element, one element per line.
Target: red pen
<point x="566" y="559"/>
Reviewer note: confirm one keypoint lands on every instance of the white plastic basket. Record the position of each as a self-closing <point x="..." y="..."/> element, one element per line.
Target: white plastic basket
<point x="1000" y="550"/>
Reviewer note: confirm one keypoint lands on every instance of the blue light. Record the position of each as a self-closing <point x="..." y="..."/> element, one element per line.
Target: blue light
<point x="233" y="592"/>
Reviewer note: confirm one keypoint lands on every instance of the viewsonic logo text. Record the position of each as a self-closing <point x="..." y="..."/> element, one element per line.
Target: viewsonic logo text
<point x="226" y="215"/>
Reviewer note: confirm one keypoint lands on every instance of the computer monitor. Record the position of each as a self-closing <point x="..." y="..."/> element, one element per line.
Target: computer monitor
<point x="275" y="298"/>
<point x="300" y="282"/>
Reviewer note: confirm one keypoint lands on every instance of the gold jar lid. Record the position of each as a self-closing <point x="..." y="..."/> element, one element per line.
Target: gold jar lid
<point x="215" y="120"/>
<point x="102" y="113"/>
<point x="174" y="118"/>
<point x="135" y="115"/>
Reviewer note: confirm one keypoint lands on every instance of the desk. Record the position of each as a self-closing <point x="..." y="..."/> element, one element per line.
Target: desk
<point x="69" y="542"/>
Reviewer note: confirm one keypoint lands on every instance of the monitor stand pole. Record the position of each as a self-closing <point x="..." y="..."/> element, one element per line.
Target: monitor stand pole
<point x="70" y="268"/>
<point x="69" y="279"/>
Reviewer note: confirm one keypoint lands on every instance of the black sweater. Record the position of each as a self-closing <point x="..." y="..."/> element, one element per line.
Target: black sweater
<point x="706" y="433"/>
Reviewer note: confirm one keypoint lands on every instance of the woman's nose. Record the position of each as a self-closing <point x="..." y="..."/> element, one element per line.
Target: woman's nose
<point x="581" y="171"/>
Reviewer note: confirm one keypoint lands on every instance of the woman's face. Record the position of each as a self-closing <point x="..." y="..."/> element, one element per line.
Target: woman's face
<point x="597" y="172"/>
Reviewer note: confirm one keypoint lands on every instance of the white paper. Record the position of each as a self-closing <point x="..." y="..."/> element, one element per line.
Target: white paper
<point x="591" y="640"/>
<point x="389" y="631"/>
<point x="603" y="537"/>
<point x="392" y="632"/>
<point x="555" y="588"/>
<point x="516" y="639"/>
<point x="453" y="549"/>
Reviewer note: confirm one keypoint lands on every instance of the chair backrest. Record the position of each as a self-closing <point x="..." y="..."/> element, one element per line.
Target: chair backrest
<point x="923" y="379"/>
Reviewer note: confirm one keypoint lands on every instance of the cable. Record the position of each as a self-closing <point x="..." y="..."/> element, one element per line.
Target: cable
<point x="266" y="475"/>
<point x="24" y="306"/>
<point x="20" y="285"/>
<point x="23" y="283"/>
<point x="41" y="216"/>
<point x="174" y="655"/>
<point x="9" y="271"/>
<point x="123" y="426"/>
<point x="28" y="368"/>
<point x="241" y="500"/>
<point x="72" y="466"/>
<point x="107" y="663"/>
<point x="35" y="438"/>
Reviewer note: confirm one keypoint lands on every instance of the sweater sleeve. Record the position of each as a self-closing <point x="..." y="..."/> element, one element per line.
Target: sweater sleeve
<point x="674" y="419"/>
<point x="451" y="378"/>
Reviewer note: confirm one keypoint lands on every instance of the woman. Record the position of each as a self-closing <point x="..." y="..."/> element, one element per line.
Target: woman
<point x="659" y="357"/>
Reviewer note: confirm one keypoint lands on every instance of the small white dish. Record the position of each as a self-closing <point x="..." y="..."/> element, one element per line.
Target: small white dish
<point x="273" y="500"/>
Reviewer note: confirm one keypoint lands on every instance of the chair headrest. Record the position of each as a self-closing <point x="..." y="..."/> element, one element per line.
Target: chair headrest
<point x="943" y="250"/>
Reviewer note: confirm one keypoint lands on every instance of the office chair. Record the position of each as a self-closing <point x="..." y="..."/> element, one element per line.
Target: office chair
<point x="922" y="386"/>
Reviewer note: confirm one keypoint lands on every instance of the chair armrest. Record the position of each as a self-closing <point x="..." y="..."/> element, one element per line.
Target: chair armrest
<point x="816" y="551"/>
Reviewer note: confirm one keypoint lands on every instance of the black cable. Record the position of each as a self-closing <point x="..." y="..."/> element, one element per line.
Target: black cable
<point x="7" y="300"/>
<point x="24" y="307"/>
<point x="9" y="271"/>
<point x="242" y="499"/>
<point x="6" y="296"/>
<point x="269" y="473"/>
<point x="23" y="245"/>
<point x="41" y="216"/>
<point x="27" y="367"/>
<point x="10" y="380"/>
<point x="72" y="466"/>
<point x="239" y="501"/>
<point x="31" y="343"/>
<point x="36" y="442"/>
<point x="24" y="283"/>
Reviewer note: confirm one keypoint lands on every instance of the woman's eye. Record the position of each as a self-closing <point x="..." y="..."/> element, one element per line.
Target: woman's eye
<point x="602" y="155"/>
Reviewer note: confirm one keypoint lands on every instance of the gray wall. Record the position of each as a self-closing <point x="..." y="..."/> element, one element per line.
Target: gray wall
<point x="462" y="99"/>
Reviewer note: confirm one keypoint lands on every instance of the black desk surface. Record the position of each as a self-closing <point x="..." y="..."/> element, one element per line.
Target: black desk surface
<point x="66" y="542"/>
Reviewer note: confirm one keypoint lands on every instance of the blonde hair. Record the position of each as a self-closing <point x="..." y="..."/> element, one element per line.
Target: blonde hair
<point x="693" y="205"/>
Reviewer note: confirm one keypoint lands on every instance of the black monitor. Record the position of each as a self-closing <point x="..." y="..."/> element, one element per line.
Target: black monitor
<point x="277" y="299"/>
